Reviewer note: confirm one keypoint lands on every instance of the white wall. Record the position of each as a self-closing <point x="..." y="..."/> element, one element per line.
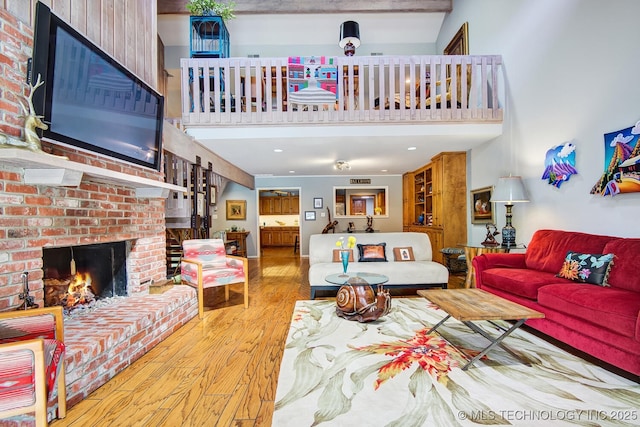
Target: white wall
<point x="571" y="73"/>
<point x="310" y="187"/>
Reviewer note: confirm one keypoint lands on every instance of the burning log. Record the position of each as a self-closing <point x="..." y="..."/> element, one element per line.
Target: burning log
<point x="70" y="292"/>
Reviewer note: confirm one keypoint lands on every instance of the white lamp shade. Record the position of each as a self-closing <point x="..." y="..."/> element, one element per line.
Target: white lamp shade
<point x="509" y="189"/>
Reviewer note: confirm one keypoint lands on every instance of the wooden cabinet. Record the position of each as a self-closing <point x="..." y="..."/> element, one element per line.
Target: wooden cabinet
<point x="240" y="237"/>
<point x="280" y="205"/>
<point x="278" y="236"/>
<point x="438" y="190"/>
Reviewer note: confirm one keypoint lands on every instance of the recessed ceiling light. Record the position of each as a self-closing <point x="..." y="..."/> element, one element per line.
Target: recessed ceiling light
<point x="383" y="170"/>
<point x="292" y="171"/>
<point x="411" y="148"/>
<point x="277" y="150"/>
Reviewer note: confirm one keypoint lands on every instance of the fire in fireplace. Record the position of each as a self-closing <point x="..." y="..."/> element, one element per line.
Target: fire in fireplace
<point x="78" y="275"/>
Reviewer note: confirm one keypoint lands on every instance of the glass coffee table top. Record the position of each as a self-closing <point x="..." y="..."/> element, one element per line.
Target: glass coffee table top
<point x="357" y="278"/>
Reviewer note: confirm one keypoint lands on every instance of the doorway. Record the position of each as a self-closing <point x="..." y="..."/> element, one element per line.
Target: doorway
<point x="279" y="221"/>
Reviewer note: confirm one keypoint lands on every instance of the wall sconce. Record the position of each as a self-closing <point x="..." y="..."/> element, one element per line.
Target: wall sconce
<point x="509" y="190"/>
<point x="342" y="165"/>
<point x="349" y="37"/>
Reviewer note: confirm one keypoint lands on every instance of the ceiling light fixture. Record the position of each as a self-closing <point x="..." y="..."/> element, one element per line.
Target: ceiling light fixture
<point x="342" y="165"/>
<point x="349" y="37"/>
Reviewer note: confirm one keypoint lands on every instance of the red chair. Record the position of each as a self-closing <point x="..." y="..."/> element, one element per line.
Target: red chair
<point x="32" y="363"/>
<point x="205" y="264"/>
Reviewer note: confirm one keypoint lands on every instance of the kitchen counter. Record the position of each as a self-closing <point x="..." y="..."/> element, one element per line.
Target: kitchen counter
<point x="279" y="235"/>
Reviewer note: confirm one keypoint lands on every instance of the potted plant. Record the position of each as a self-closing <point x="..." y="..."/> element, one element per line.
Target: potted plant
<point x="211" y="8"/>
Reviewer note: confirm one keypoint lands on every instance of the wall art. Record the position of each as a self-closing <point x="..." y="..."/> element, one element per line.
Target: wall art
<point x="560" y="164"/>
<point x="621" y="163"/>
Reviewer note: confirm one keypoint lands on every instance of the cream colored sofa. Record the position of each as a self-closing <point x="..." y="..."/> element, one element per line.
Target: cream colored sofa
<point x="418" y="274"/>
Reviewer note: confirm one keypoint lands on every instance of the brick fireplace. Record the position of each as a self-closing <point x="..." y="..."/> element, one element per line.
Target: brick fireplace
<point x="35" y="218"/>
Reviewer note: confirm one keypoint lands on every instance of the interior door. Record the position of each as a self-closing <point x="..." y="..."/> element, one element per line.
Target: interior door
<point x="358" y="206"/>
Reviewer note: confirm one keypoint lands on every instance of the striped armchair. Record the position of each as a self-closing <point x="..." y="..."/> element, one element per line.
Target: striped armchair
<point x="32" y="363"/>
<point x="205" y="264"/>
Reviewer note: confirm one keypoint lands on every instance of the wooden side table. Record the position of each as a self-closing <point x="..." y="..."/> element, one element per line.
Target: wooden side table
<point x="241" y="239"/>
<point x="470" y="252"/>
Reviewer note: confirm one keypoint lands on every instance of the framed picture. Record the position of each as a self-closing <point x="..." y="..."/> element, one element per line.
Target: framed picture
<point x="481" y="209"/>
<point x="237" y="209"/>
<point x="309" y="215"/>
<point x="317" y="203"/>
<point x="459" y="44"/>
<point x="213" y="197"/>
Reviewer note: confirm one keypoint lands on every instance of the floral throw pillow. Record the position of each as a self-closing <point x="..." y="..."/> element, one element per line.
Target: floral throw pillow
<point x="587" y="268"/>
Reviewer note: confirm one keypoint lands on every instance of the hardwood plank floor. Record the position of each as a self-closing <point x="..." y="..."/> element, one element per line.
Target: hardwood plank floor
<point x="221" y="371"/>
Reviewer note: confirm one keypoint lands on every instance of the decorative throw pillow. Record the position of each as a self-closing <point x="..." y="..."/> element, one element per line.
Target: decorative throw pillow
<point x="336" y="255"/>
<point x="587" y="268"/>
<point x="403" y="254"/>
<point x="372" y="253"/>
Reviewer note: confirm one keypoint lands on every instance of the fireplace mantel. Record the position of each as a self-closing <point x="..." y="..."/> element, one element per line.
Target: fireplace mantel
<point x="47" y="169"/>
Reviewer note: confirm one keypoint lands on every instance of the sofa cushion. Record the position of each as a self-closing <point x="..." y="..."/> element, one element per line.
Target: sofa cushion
<point x="372" y="253"/>
<point x="403" y="254"/>
<point x="614" y="309"/>
<point x="624" y="274"/>
<point x="336" y="255"/>
<point x="587" y="268"/>
<point x="519" y="281"/>
<point x="547" y="248"/>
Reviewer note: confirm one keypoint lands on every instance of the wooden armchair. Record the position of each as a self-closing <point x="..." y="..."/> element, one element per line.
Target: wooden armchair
<point x="32" y="363"/>
<point x="205" y="264"/>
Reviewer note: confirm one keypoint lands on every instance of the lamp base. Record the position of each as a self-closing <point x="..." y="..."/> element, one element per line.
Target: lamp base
<point x="508" y="236"/>
<point x="349" y="49"/>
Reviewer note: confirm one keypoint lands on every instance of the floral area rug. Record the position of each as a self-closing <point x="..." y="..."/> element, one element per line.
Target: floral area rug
<point x="390" y="372"/>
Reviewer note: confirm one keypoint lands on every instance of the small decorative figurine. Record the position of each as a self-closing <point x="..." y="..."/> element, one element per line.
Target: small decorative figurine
<point x="490" y="240"/>
<point x="331" y="226"/>
<point x="32" y="121"/>
<point x="369" y="228"/>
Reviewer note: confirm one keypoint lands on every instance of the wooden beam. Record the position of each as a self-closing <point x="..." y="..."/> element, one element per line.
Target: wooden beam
<point x="186" y="147"/>
<point x="314" y="6"/>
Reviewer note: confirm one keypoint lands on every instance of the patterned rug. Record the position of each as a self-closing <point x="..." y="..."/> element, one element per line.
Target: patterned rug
<point x="389" y="372"/>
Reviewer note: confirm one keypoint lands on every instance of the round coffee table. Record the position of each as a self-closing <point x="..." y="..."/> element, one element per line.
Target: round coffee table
<point x="358" y="278"/>
<point x="357" y="299"/>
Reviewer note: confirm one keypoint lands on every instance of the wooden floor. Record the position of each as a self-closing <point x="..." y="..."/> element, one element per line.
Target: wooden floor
<point x="221" y="371"/>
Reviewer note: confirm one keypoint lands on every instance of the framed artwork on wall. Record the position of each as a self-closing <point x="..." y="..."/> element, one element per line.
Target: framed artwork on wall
<point x="237" y="209"/>
<point x="309" y="215"/>
<point x="481" y="209"/>
<point x="317" y="203"/>
<point x="459" y="44"/>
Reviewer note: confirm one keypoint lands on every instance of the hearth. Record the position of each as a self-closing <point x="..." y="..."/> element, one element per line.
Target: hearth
<point x="78" y="275"/>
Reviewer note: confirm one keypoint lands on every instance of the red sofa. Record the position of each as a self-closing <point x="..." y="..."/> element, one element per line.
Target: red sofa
<point x="603" y="321"/>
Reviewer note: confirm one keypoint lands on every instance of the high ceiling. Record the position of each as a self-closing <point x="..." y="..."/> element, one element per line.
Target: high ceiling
<point x="370" y="150"/>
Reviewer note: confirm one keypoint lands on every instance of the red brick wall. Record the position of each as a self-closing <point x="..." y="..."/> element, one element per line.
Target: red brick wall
<point x="33" y="216"/>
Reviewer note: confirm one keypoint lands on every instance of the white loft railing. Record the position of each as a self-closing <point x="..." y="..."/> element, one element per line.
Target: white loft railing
<point x="388" y="89"/>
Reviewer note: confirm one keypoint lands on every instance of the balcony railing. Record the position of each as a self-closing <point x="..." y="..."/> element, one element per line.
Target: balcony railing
<point x="387" y="89"/>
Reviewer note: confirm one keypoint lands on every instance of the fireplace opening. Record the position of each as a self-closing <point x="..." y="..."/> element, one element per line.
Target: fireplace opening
<point x="78" y="275"/>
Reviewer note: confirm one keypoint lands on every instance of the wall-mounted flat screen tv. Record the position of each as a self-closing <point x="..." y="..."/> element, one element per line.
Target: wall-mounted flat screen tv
<point x="91" y="101"/>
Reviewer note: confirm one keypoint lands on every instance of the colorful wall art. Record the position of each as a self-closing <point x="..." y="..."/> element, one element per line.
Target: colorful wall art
<point x="621" y="163"/>
<point x="312" y="80"/>
<point x="560" y="164"/>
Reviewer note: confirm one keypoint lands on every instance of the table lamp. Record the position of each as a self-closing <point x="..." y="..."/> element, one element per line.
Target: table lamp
<point x="509" y="190"/>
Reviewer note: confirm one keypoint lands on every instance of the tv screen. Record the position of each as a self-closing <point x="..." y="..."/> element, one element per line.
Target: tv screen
<point x="89" y="99"/>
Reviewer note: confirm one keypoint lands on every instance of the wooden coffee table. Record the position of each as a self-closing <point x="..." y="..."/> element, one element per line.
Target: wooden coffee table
<point x="472" y="305"/>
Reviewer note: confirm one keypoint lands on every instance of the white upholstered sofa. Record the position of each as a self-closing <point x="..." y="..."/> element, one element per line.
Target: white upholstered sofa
<point x="420" y="273"/>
